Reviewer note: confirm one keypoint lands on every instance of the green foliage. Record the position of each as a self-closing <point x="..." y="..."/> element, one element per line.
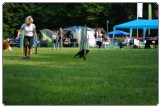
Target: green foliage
<point x="55" y="15"/>
<point x="5" y="30"/>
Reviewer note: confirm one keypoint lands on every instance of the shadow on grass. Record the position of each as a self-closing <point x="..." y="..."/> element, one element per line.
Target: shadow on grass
<point x="41" y="57"/>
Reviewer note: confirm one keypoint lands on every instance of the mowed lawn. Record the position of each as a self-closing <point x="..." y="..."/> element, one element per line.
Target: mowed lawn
<point x="107" y="77"/>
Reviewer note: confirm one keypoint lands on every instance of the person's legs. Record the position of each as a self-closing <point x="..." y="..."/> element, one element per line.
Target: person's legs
<point x="104" y="44"/>
<point x="30" y="46"/>
<point x="53" y="45"/>
<point x="60" y="44"/>
<point x="121" y="45"/>
<point x="25" y="46"/>
<point x="56" y="44"/>
<point x="100" y="44"/>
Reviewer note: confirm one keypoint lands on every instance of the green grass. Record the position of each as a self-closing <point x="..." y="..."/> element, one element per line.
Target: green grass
<point x="107" y="77"/>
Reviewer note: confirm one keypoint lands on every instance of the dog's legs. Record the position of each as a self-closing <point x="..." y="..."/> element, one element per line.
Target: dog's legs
<point x="76" y="54"/>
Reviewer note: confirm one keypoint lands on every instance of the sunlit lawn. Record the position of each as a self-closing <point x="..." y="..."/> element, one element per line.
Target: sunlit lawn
<point x="107" y="77"/>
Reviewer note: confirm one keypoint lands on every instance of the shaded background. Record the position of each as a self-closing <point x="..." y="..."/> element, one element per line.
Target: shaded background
<point x="55" y="15"/>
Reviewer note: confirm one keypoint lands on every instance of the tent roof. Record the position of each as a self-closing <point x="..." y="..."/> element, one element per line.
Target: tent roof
<point x="76" y="28"/>
<point x="73" y="28"/>
<point x="139" y="24"/>
<point x="47" y="32"/>
<point x="118" y="32"/>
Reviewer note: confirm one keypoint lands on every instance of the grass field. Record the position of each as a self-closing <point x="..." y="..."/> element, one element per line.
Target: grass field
<point x="107" y="77"/>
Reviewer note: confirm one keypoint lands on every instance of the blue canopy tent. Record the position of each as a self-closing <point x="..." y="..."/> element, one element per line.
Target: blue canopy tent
<point x="138" y="24"/>
<point x="117" y="32"/>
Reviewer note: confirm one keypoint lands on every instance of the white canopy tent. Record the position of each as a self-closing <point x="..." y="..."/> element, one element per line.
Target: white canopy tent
<point x="76" y="31"/>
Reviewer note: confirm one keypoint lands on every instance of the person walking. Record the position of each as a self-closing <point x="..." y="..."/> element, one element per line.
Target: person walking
<point x="54" y="40"/>
<point x="29" y="31"/>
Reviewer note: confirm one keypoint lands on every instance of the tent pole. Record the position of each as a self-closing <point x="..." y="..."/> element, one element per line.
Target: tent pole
<point x="22" y="42"/>
<point x="137" y="33"/>
<point x="144" y="34"/>
<point x="149" y="31"/>
<point x="137" y="29"/>
<point x="78" y="38"/>
<point x="131" y="30"/>
<point x="113" y="35"/>
<point x="149" y="14"/>
<point x="35" y="45"/>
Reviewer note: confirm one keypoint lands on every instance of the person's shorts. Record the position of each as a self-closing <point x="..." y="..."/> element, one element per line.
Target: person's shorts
<point x="28" y="41"/>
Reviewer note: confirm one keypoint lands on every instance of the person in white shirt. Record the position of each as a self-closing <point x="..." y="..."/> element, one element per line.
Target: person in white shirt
<point x="106" y="41"/>
<point x="54" y="40"/>
<point x="29" y="31"/>
<point x="99" y="39"/>
<point x="126" y="41"/>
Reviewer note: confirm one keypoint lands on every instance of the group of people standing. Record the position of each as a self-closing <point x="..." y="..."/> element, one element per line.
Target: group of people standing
<point x="57" y="41"/>
<point x="121" y="42"/>
<point x="102" y="40"/>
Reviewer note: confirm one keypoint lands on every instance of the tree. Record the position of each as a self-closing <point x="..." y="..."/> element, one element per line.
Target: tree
<point x="55" y="15"/>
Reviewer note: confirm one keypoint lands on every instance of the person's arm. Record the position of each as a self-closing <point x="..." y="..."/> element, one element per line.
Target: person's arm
<point x="18" y="34"/>
<point x="108" y="39"/>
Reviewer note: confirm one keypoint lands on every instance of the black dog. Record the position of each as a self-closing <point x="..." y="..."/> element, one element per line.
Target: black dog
<point x="81" y="54"/>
